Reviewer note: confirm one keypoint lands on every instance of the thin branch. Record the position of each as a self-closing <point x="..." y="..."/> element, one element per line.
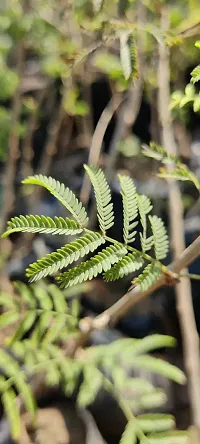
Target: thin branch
<point x="48" y="152"/>
<point x="97" y="142"/>
<point x="27" y="149"/>
<point x="113" y="314"/>
<point x="13" y="142"/>
<point x="183" y="289"/>
<point x="128" y="113"/>
<point x="134" y="295"/>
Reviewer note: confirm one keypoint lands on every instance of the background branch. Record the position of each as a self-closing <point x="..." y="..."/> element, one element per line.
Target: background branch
<point x="13" y="142"/>
<point x="97" y="142"/>
<point x="114" y="313"/>
<point x="183" y="289"/>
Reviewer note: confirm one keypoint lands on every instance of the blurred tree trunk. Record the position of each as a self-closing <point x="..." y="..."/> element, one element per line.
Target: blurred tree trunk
<point x="183" y="288"/>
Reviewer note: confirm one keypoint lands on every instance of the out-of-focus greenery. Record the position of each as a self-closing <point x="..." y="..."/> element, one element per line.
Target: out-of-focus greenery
<point x="58" y="35"/>
<point x="75" y="42"/>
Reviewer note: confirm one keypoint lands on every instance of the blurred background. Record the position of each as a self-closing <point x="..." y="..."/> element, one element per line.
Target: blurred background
<point x="69" y="96"/>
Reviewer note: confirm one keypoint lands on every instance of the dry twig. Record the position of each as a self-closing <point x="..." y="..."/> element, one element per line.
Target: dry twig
<point x="183" y="289"/>
<point x="97" y="142"/>
<point x="13" y="143"/>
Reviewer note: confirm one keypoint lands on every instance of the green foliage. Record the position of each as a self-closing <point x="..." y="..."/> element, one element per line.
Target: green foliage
<point x="5" y="126"/>
<point x="130" y="146"/>
<point x="144" y="208"/>
<point x="50" y="321"/>
<point x="135" y="206"/>
<point x="148" y="277"/>
<point x="160" y="238"/>
<point x="73" y="105"/>
<point x="110" y="64"/>
<point x="103" y="198"/>
<point x="180" y="171"/>
<point x="63" y="194"/>
<point x="8" y="83"/>
<point x="64" y="256"/>
<point x="42" y="224"/>
<point x="180" y="99"/>
<point x="41" y="309"/>
<point x="157" y="152"/>
<point x="129" y="435"/>
<point x="94" y="266"/>
<point x="128" y="55"/>
<point x="9" y="401"/>
<point x="134" y="351"/>
<point x="92" y="382"/>
<point x="195" y="74"/>
<point x="97" y="5"/>
<point x="127" y="265"/>
<point x="42" y="313"/>
<point x="14" y="379"/>
<point x="175" y="437"/>
<point x="155" y="422"/>
<point x="130" y="208"/>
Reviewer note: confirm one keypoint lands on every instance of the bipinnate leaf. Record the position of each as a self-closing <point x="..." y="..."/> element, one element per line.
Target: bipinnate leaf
<point x="148" y="277"/>
<point x="92" y="381"/>
<point x="63" y="194"/>
<point x="128" y="55"/>
<point x="91" y="268"/>
<point x="129" y="435"/>
<point x="130" y="208"/>
<point x="128" y="264"/>
<point x="174" y="437"/>
<point x="103" y="197"/>
<point x="43" y="225"/>
<point x="195" y="74"/>
<point x="160" y="237"/>
<point x="160" y="367"/>
<point x="144" y="208"/>
<point x="64" y="256"/>
<point x="9" y="401"/>
<point x="155" y="422"/>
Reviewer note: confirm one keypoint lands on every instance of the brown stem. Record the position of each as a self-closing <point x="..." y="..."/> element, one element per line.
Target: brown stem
<point x="128" y="113"/>
<point x="13" y="143"/>
<point x="114" y="313"/>
<point x="27" y="149"/>
<point x="43" y="168"/>
<point x="183" y="289"/>
<point x="97" y="141"/>
<point x="134" y="295"/>
<point x="49" y="150"/>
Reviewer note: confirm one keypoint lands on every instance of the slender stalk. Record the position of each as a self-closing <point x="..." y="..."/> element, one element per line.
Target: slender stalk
<point x="97" y="142"/>
<point x="27" y="149"/>
<point x="13" y="142"/>
<point x="183" y="289"/>
<point x="48" y="152"/>
<point x="124" y="405"/>
<point x="114" y="313"/>
<point x="134" y="295"/>
<point x="129" y="111"/>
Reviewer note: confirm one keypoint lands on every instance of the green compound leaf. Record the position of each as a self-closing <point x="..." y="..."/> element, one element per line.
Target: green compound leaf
<point x="64" y="256"/>
<point x="42" y="224"/>
<point x="129" y="435"/>
<point x="91" y="268"/>
<point x="128" y="264"/>
<point x="130" y="208"/>
<point x="63" y="194"/>
<point x="160" y="237"/>
<point x="103" y="197"/>
<point x="148" y="277"/>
